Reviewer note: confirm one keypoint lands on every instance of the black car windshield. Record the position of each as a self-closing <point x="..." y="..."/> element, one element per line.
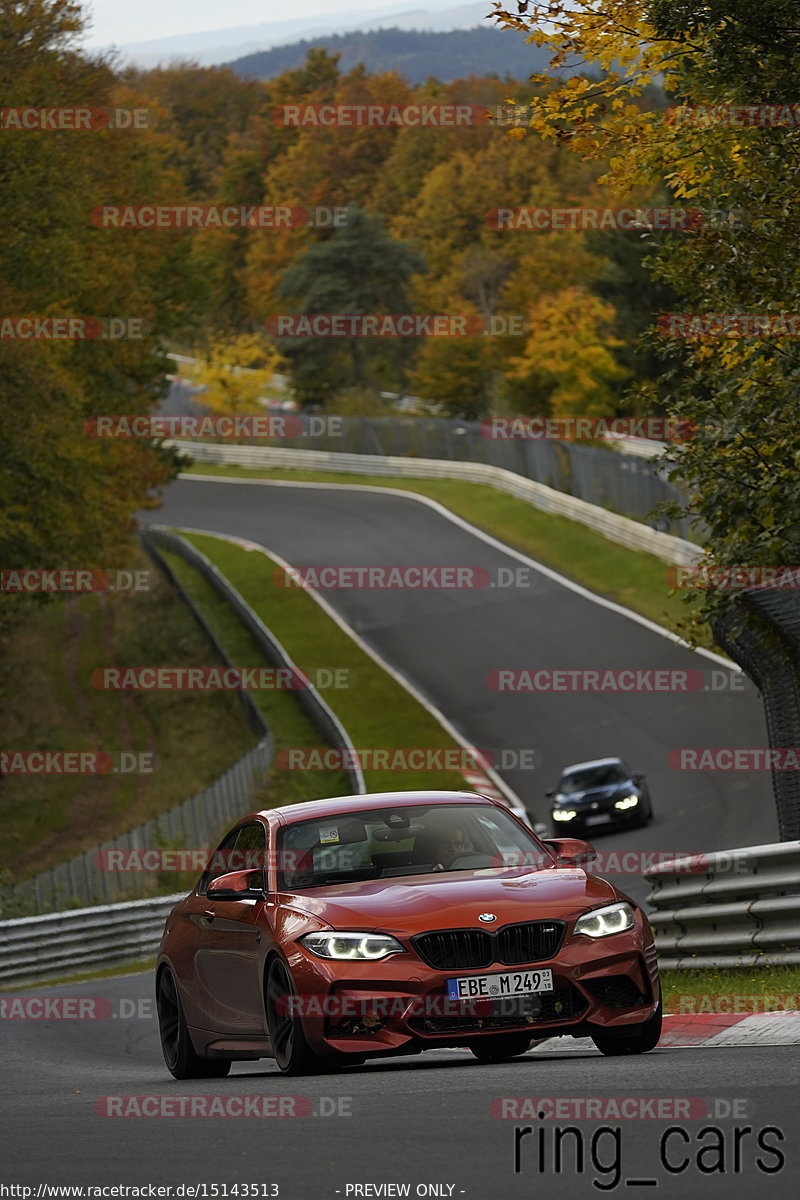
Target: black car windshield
<point x="395" y="842"/>
<point x="592" y="777"/>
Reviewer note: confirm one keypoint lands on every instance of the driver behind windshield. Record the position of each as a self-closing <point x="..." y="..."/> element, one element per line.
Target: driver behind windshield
<point x="446" y="847"/>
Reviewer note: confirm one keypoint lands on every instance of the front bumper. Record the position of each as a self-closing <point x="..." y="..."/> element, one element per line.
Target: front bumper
<point x="582" y="821"/>
<point x="401" y="1005"/>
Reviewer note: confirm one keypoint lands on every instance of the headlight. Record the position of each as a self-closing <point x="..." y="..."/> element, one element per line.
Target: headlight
<point x="564" y="814"/>
<point x="602" y="922"/>
<point x="627" y="802"/>
<point x="353" y="946"/>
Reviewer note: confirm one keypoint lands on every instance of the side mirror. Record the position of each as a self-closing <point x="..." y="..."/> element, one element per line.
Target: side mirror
<point x="638" y="777"/>
<point x="550" y="792"/>
<point x="237" y="885"/>
<point x="571" y="851"/>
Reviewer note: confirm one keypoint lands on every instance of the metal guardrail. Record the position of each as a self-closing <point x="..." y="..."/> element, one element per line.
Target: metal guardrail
<point x="67" y="943"/>
<point x="742" y="909"/>
<point x="619" y="478"/>
<point x="623" y="530"/>
<point x="319" y="713"/>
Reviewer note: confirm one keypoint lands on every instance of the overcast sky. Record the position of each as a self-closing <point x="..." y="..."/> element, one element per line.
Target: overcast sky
<point x="118" y="21"/>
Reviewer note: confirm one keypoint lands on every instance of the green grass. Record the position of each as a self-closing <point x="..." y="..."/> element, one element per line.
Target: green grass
<point x="629" y="577"/>
<point x="716" y="990"/>
<point x="48" y="702"/>
<point x="134" y="968"/>
<point x="375" y="710"/>
<point x="287" y="722"/>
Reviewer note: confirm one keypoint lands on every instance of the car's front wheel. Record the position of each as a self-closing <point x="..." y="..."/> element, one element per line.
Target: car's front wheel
<point x="637" y="1039"/>
<point x="290" y="1049"/>
<point x="501" y="1046"/>
<point x="179" y="1054"/>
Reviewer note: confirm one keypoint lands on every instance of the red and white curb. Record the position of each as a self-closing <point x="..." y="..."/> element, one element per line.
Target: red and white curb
<point x="483" y="784"/>
<point x="705" y="1031"/>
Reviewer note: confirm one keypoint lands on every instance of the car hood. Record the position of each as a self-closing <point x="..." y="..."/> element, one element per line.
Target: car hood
<point x="452" y="901"/>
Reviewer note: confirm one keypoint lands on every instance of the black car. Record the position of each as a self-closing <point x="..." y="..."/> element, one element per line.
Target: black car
<point x="597" y="795"/>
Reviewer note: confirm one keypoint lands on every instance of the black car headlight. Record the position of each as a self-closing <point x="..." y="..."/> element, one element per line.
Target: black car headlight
<point x="603" y="922"/>
<point x="351" y="946"/>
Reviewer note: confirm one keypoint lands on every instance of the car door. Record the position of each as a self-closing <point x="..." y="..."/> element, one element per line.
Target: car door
<point x="227" y="962"/>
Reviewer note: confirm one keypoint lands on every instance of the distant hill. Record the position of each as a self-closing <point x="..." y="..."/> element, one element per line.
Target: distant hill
<point x="413" y="54"/>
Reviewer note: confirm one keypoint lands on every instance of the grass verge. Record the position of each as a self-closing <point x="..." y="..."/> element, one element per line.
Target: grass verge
<point x="287" y="722"/>
<point x="376" y="711"/>
<point x="49" y="702"/>
<point x="739" y="989"/>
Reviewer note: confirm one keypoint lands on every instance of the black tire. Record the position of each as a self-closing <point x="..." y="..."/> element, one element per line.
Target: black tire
<point x="183" y="1062"/>
<point x="290" y="1049"/>
<point x="637" y="1039"/>
<point x="501" y="1046"/>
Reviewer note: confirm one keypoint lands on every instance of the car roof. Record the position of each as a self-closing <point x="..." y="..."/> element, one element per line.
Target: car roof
<point x="332" y="806"/>
<point x="594" y="762"/>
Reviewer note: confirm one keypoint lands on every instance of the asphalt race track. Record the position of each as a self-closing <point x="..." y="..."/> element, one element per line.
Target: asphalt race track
<point x="423" y="1120"/>
<point x="426" y="1120"/>
<point x="447" y="642"/>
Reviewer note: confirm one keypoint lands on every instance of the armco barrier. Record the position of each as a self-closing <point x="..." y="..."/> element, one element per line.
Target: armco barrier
<point x="319" y="713"/>
<point x="60" y="944"/>
<point x="623" y="530"/>
<point x="742" y="910"/>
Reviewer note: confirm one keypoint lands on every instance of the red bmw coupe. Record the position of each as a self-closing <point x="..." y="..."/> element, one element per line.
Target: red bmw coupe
<point x="329" y="932"/>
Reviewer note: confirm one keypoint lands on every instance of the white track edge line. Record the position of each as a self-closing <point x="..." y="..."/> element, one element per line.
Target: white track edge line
<point x="488" y="538"/>
<point x="246" y="544"/>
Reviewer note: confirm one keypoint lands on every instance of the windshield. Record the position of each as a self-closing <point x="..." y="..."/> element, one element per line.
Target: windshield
<point x="395" y="842"/>
<point x="593" y="777"/>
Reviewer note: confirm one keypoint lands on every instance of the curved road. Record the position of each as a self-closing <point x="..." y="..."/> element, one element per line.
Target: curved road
<point x="448" y="641"/>
<point x="426" y="1121"/>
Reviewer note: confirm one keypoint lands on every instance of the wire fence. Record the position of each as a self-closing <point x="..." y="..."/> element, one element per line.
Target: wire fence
<point x="89" y="877"/>
<point x="624" y="483"/>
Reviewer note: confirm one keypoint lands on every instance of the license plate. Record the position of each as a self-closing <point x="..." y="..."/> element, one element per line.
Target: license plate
<point x="600" y="819"/>
<point x="510" y="983"/>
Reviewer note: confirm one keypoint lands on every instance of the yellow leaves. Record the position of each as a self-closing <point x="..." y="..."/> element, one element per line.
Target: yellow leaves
<point x="236" y="371"/>
<point x="569" y="348"/>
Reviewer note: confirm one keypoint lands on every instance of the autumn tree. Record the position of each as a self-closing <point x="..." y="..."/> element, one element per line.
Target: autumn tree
<point x="67" y="499"/>
<point x="730" y="142"/>
<point x="235" y="371"/>
<point x="360" y="269"/>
